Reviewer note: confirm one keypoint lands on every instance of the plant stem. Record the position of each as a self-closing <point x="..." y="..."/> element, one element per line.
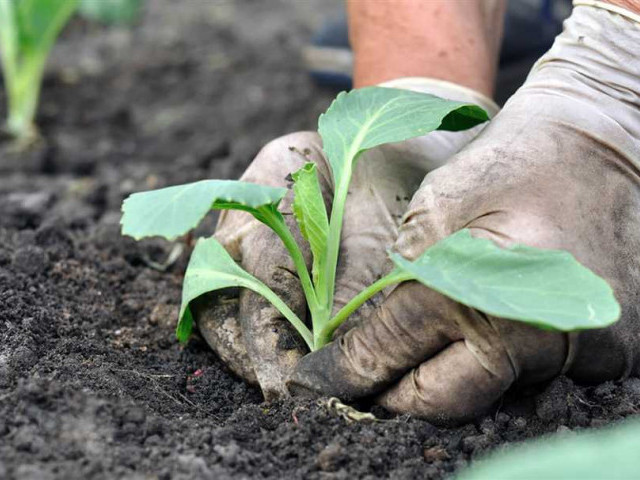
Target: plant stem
<point x="327" y="281"/>
<point x="324" y="336"/>
<point x="23" y="92"/>
<point x="277" y="223"/>
<point x="277" y="302"/>
<point x="24" y="52"/>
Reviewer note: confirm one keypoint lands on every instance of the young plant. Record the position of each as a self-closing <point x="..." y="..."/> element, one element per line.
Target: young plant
<point x="546" y="288"/>
<point x="28" y="30"/>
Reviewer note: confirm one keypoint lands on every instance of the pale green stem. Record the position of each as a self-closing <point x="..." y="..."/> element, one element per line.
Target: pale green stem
<point x="277" y="302"/>
<point x="280" y="228"/>
<point x="23" y="67"/>
<point x="324" y="336"/>
<point x="327" y="283"/>
<point x="23" y="92"/>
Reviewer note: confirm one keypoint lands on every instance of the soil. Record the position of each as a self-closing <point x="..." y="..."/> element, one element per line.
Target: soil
<point x="92" y="382"/>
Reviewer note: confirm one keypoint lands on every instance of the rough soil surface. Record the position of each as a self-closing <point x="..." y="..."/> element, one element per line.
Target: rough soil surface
<point x="92" y="382"/>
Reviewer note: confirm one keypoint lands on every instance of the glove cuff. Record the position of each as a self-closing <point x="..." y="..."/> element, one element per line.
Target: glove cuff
<point x="589" y="79"/>
<point x="444" y="89"/>
<point x="608" y="6"/>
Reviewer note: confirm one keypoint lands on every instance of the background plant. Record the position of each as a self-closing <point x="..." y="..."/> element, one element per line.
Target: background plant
<point x="28" y="31"/>
<point x="546" y="288"/>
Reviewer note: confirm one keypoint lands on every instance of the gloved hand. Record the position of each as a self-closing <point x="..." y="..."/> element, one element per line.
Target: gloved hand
<point x="557" y="168"/>
<point x="256" y="342"/>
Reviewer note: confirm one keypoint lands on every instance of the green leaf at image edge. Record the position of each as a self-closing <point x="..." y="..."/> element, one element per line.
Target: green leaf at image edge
<point x="173" y="211"/>
<point x="606" y="454"/>
<point x="545" y="288"/>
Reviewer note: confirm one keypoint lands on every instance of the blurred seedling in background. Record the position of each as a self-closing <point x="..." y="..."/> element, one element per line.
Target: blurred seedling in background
<point x="28" y="32"/>
<point x="545" y="288"/>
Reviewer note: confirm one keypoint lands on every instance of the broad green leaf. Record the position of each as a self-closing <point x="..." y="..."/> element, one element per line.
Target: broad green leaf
<point x="110" y="11"/>
<point x="212" y="268"/>
<point x="173" y="211"/>
<point x="371" y="116"/>
<point x="545" y="288"/>
<point x="607" y="454"/>
<point x="311" y="213"/>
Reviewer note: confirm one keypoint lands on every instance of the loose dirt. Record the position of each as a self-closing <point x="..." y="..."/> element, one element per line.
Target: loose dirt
<point x="92" y="382"/>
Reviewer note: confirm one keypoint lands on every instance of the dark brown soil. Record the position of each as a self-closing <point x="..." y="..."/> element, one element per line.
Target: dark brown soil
<point x="92" y="382"/>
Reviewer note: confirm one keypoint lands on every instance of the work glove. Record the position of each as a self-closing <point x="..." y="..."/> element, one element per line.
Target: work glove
<point x="252" y="337"/>
<point x="557" y="168"/>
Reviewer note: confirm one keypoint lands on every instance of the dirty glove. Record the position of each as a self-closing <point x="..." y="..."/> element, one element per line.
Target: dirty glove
<point x="557" y="168"/>
<point x="254" y="340"/>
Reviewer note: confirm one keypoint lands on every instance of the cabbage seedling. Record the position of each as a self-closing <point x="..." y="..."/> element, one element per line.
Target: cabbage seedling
<point x="28" y="30"/>
<point x="546" y="288"/>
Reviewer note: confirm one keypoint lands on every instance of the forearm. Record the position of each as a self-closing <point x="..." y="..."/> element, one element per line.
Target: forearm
<point x="631" y="5"/>
<point x="457" y="41"/>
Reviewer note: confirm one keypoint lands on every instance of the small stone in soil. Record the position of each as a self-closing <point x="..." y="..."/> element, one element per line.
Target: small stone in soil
<point x="134" y="415"/>
<point x="488" y="426"/>
<point x="30" y="260"/>
<point x="330" y="457"/>
<point x="604" y="390"/>
<point x="475" y="443"/>
<point x="228" y="453"/>
<point x="631" y="387"/>
<point x="552" y="403"/>
<point x="434" y="454"/>
<point x="503" y="418"/>
<point x="519" y="423"/>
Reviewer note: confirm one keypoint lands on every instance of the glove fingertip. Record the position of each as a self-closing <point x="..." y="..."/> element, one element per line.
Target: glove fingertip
<point x="320" y="374"/>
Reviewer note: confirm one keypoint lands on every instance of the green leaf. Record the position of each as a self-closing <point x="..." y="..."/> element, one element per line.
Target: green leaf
<point x="185" y="325"/>
<point x="363" y="119"/>
<point x="311" y="213"/>
<point x="110" y="11"/>
<point x="544" y="288"/>
<point x="38" y="22"/>
<point x="610" y="453"/>
<point x="371" y="116"/>
<point x="212" y="268"/>
<point x="173" y="211"/>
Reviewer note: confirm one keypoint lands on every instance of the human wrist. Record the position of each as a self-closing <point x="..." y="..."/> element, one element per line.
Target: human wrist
<point x="631" y="5"/>
<point x="629" y="9"/>
<point x="453" y="41"/>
